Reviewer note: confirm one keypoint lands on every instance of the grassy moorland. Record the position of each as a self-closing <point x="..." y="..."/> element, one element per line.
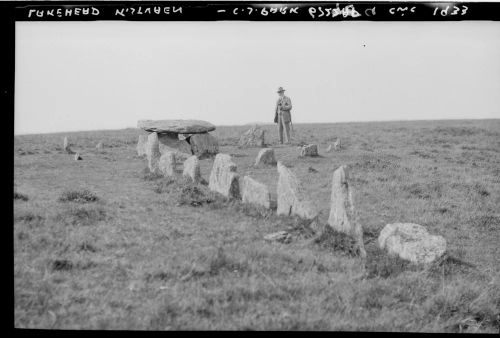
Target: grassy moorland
<point x="102" y="244"/>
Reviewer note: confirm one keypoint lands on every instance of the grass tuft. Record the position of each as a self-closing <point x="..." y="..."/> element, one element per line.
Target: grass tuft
<point x="335" y="241"/>
<point x="78" y="196"/>
<point x="81" y="216"/>
<point x="19" y="196"/>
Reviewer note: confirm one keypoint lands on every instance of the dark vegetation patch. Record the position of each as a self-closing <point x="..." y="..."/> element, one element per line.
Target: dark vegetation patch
<point x="29" y="218"/>
<point x="458" y="131"/>
<point x="68" y="265"/>
<point x="147" y="175"/>
<point x="19" y="196"/>
<point x="86" y="246"/>
<point x="380" y="264"/>
<point x="485" y="222"/>
<point x="421" y="154"/>
<point x="449" y="265"/>
<point x="221" y="261"/>
<point x="423" y="190"/>
<point x="78" y="196"/>
<point x="82" y="216"/>
<point x="158" y="276"/>
<point x="335" y="241"/>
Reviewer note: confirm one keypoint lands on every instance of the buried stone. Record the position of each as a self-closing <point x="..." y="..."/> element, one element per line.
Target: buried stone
<point x="411" y="242"/>
<point x="342" y="212"/>
<point x="309" y="150"/>
<point x="223" y="177"/>
<point x="265" y="157"/>
<point x="255" y="193"/>
<point x="192" y="169"/>
<point x="291" y="196"/>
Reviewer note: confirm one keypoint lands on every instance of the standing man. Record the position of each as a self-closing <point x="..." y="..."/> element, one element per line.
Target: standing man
<point x="282" y="115"/>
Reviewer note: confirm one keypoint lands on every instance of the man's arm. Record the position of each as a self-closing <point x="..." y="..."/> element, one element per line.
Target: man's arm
<point x="287" y="104"/>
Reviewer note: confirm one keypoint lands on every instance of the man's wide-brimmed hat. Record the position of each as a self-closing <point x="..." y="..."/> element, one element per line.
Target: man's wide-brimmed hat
<point x="280" y="89"/>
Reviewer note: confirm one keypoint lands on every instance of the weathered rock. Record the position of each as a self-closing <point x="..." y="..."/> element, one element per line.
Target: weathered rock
<point x="66" y="146"/>
<point x="329" y="148"/>
<point x="411" y="242"/>
<point x="176" y="126"/>
<point x="309" y="150"/>
<point x="166" y="164"/>
<point x="78" y="157"/>
<point x="204" y="145"/>
<point x="169" y="142"/>
<point x="99" y="146"/>
<point x="141" y="145"/>
<point x="291" y="196"/>
<point x="337" y="145"/>
<point x="223" y="178"/>
<point x="253" y="137"/>
<point x="192" y="168"/>
<point x="153" y="153"/>
<point x="342" y="212"/>
<point x="265" y="157"/>
<point x="280" y="236"/>
<point x="255" y="193"/>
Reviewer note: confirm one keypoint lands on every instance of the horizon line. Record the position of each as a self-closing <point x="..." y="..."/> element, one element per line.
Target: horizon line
<point x="269" y="123"/>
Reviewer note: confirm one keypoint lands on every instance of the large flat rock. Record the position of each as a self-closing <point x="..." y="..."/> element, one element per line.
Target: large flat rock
<point x="176" y="126"/>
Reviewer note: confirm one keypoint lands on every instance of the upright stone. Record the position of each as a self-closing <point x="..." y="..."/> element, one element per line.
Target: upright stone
<point x="223" y="178"/>
<point x="141" y="145"/>
<point x="255" y="193"/>
<point x="153" y="153"/>
<point x="204" y="145"/>
<point x="309" y="150"/>
<point x="192" y="169"/>
<point x="342" y="212"/>
<point x="329" y="149"/>
<point x="78" y="157"/>
<point x="411" y="242"/>
<point x="291" y="196"/>
<point x="253" y="137"/>
<point x="99" y="146"/>
<point x="265" y="157"/>
<point x="66" y="144"/>
<point x="166" y="164"/>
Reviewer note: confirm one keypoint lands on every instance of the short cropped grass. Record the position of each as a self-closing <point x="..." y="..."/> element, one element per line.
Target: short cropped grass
<point x="104" y="244"/>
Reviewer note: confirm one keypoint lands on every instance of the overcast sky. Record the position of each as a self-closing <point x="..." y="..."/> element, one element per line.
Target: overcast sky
<point x="107" y="75"/>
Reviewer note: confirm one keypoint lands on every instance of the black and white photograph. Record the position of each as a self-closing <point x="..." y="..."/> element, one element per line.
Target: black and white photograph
<point x="269" y="166"/>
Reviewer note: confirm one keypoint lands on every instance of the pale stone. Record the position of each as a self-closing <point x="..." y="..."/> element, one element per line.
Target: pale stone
<point x="78" y="157"/>
<point x="176" y="126"/>
<point x="329" y="149"/>
<point x="204" y="145"/>
<point x="65" y="144"/>
<point x="255" y="193"/>
<point x="291" y="196"/>
<point x="309" y="150"/>
<point x="337" y="145"/>
<point x="223" y="178"/>
<point x="411" y="242"/>
<point x="166" y="164"/>
<point x="280" y="236"/>
<point x="169" y="142"/>
<point x="253" y="137"/>
<point x="342" y="212"/>
<point x="141" y="145"/>
<point x="192" y="168"/>
<point x="265" y="156"/>
<point x="99" y="146"/>
<point x="153" y="153"/>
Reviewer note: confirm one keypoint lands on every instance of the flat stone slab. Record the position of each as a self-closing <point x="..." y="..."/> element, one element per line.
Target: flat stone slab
<point x="280" y="236"/>
<point x="176" y="126"/>
<point x="223" y="178"/>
